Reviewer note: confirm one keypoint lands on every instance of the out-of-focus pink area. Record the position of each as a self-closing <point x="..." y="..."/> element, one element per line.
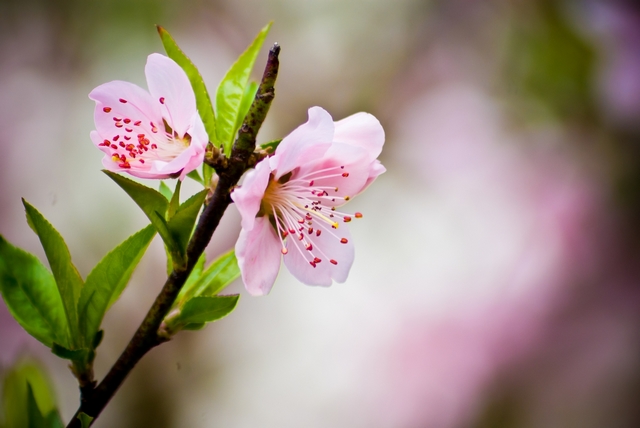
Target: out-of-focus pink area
<point x="496" y="273"/>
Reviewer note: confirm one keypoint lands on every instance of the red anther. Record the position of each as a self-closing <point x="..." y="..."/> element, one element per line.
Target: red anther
<point x="284" y="250"/>
<point x="121" y="144"/>
<point x="153" y="146"/>
<point x="342" y="167"/>
<point x="318" y="232"/>
<point x="127" y="120"/>
<point x="343" y="240"/>
<point x="308" y="217"/>
<point x="132" y="155"/>
<point x="141" y="160"/>
<point x="128" y="129"/>
<point x="116" y="138"/>
<point x="117" y="119"/>
<point x="333" y="262"/>
<point x="124" y="165"/>
<point x="291" y="231"/>
<point x="317" y="260"/>
<point x="347" y="219"/>
<point x="140" y="135"/>
<point x="311" y="183"/>
<point x="301" y="220"/>
<point x="118" y="125"/>
<point x="300" y="237"/>
<point x="106" y="143"/>
<point x="310" y="230"/>
<point x="161" y="100"/>
<point x="106" y="109"/>
<point x="113" y="146"/>
<point x="333" y="208"/>
<point x="346" y="198"/>
<point x="123" y="158"/>
<point x="308" y="247"/>
<point x="122" y="100"/>
<point x="154" y="130"/>
<point x="345" y="174"/>
<point x="358" y="215"/>
<point x="285" y="234"/>
<point x="335" y="190"/>
<point x="137" y="123"/>
<point x="126" y="137"/>
<point x="130" y="147"/>
<point x="312" y="263"/>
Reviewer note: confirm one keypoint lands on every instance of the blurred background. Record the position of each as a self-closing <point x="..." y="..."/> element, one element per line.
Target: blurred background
<point x="496" y="281"/>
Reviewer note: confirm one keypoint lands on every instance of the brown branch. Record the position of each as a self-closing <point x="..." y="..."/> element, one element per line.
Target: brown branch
<point x="229" y="171"/>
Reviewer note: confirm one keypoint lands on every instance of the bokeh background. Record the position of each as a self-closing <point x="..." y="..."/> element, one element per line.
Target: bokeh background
<point x="496" y="281"/>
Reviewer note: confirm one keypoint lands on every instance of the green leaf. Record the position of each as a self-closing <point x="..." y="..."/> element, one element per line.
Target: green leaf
<point x="85" y="420"/>
<point x="165" y="190"/>
<point x="207" y="173"/>
<point x="218" y="275"/>
<point x="232" y="90"/>
<point x="203" y="101"/>
<point x="195" y="176"/>
<point x="271" y="146"/>
<point x="155" y="206"/>
<point x="28" y="398"/>
<point x="108" y="279"/>
<point x="149" y="200"/>
<point x="174" y="203"/>
<point x="181" y="224"/>
<point x="65" y="273"/>
<point x="30" y="292"/>
<point x="69" y="354"/>
<point x="196" y="272"/>
<point x="203" y="309"/>
<point x="250" y="92"/>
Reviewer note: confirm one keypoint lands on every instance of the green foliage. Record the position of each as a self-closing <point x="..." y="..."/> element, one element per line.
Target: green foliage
<point x="202" y="309"/>
<point x="181" y="224"/>
<point x="210" y="282"/>
<point x="195" y="176"/>
<point x="250" y="92"/>
<point x="231" y="92"/>
<point x="28" y="398"/>
<point x="271" y="146"/>
<point x="165" y="190"/>
<point x="30" y="292"/>
<point x="108" y="279"/>
<point x="203" y="101"/>
<point x="65" y="273"/>
<point x="174" y="202"/>
<point x="85" y="420"/>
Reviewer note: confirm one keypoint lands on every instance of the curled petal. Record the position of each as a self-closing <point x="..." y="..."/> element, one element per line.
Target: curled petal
<point x="361" y="130"/>
<point x="249" y="196"/>
<point x="258" y="253"/>
<point x="171" y="91"/>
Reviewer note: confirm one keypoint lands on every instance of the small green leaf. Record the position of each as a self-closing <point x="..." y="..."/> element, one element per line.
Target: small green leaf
<point x="181" y="224"/>
<point x="194" y="326"/>
<point x="203" y="101"/>
<point x="67" y="277"/>
<point x="172" y="245"/>
<point x="206" y="309"/>
<point x="195" y="176"/>
<point x="30" y="292"/>
<point x="249" y="94"/>
<point x="165" y="190"/>
<point x="207" y="173"/>
<point x="69" y="354"/>
<point x="149" y="200"/>
<point x="28" y="398"/>
<point x="232" y="90"/>
<point x="85" y="420"/>
<point x="196" y="272"/>
<point x="174" y="203"/>
<point x="271" y="146"/>
<point x="218" y="275"/>
<point x="108" y="279"/>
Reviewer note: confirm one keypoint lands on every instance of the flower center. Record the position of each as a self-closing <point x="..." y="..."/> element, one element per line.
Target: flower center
<point x="301" y="211"/>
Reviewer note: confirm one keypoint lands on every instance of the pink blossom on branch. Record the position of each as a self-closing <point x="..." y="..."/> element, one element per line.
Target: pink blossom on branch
<point x="289" y="202"/>
<point x="155" y="134"/>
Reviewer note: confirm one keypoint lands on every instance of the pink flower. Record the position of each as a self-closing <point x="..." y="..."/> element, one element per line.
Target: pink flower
<point x="156" y="135"/>
<point x="288" y="203"/>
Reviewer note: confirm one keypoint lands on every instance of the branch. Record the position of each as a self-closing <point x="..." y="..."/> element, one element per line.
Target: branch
<point x="146" y="337"/>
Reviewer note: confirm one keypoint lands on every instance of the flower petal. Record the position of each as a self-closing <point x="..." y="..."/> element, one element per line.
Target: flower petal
<point x="326" y="247"/>
<point x="249" y="196"/>
<point x="361" y="130"/>
<point x="258" y="253"/>
<point x="304" y="143"/>
<point x="171" y="92"/>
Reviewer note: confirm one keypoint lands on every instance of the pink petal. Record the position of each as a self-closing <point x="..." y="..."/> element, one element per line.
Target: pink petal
<point x="249" y="196"/>
<point x="123" y="108"/>
<point x="258" y="253"/>
<point x="376" y="169"/>
<point x="304" y="143"/>
<point x="171" y="92"/>
<point x="327" y="247"/>
<point x="361" y="130"/>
